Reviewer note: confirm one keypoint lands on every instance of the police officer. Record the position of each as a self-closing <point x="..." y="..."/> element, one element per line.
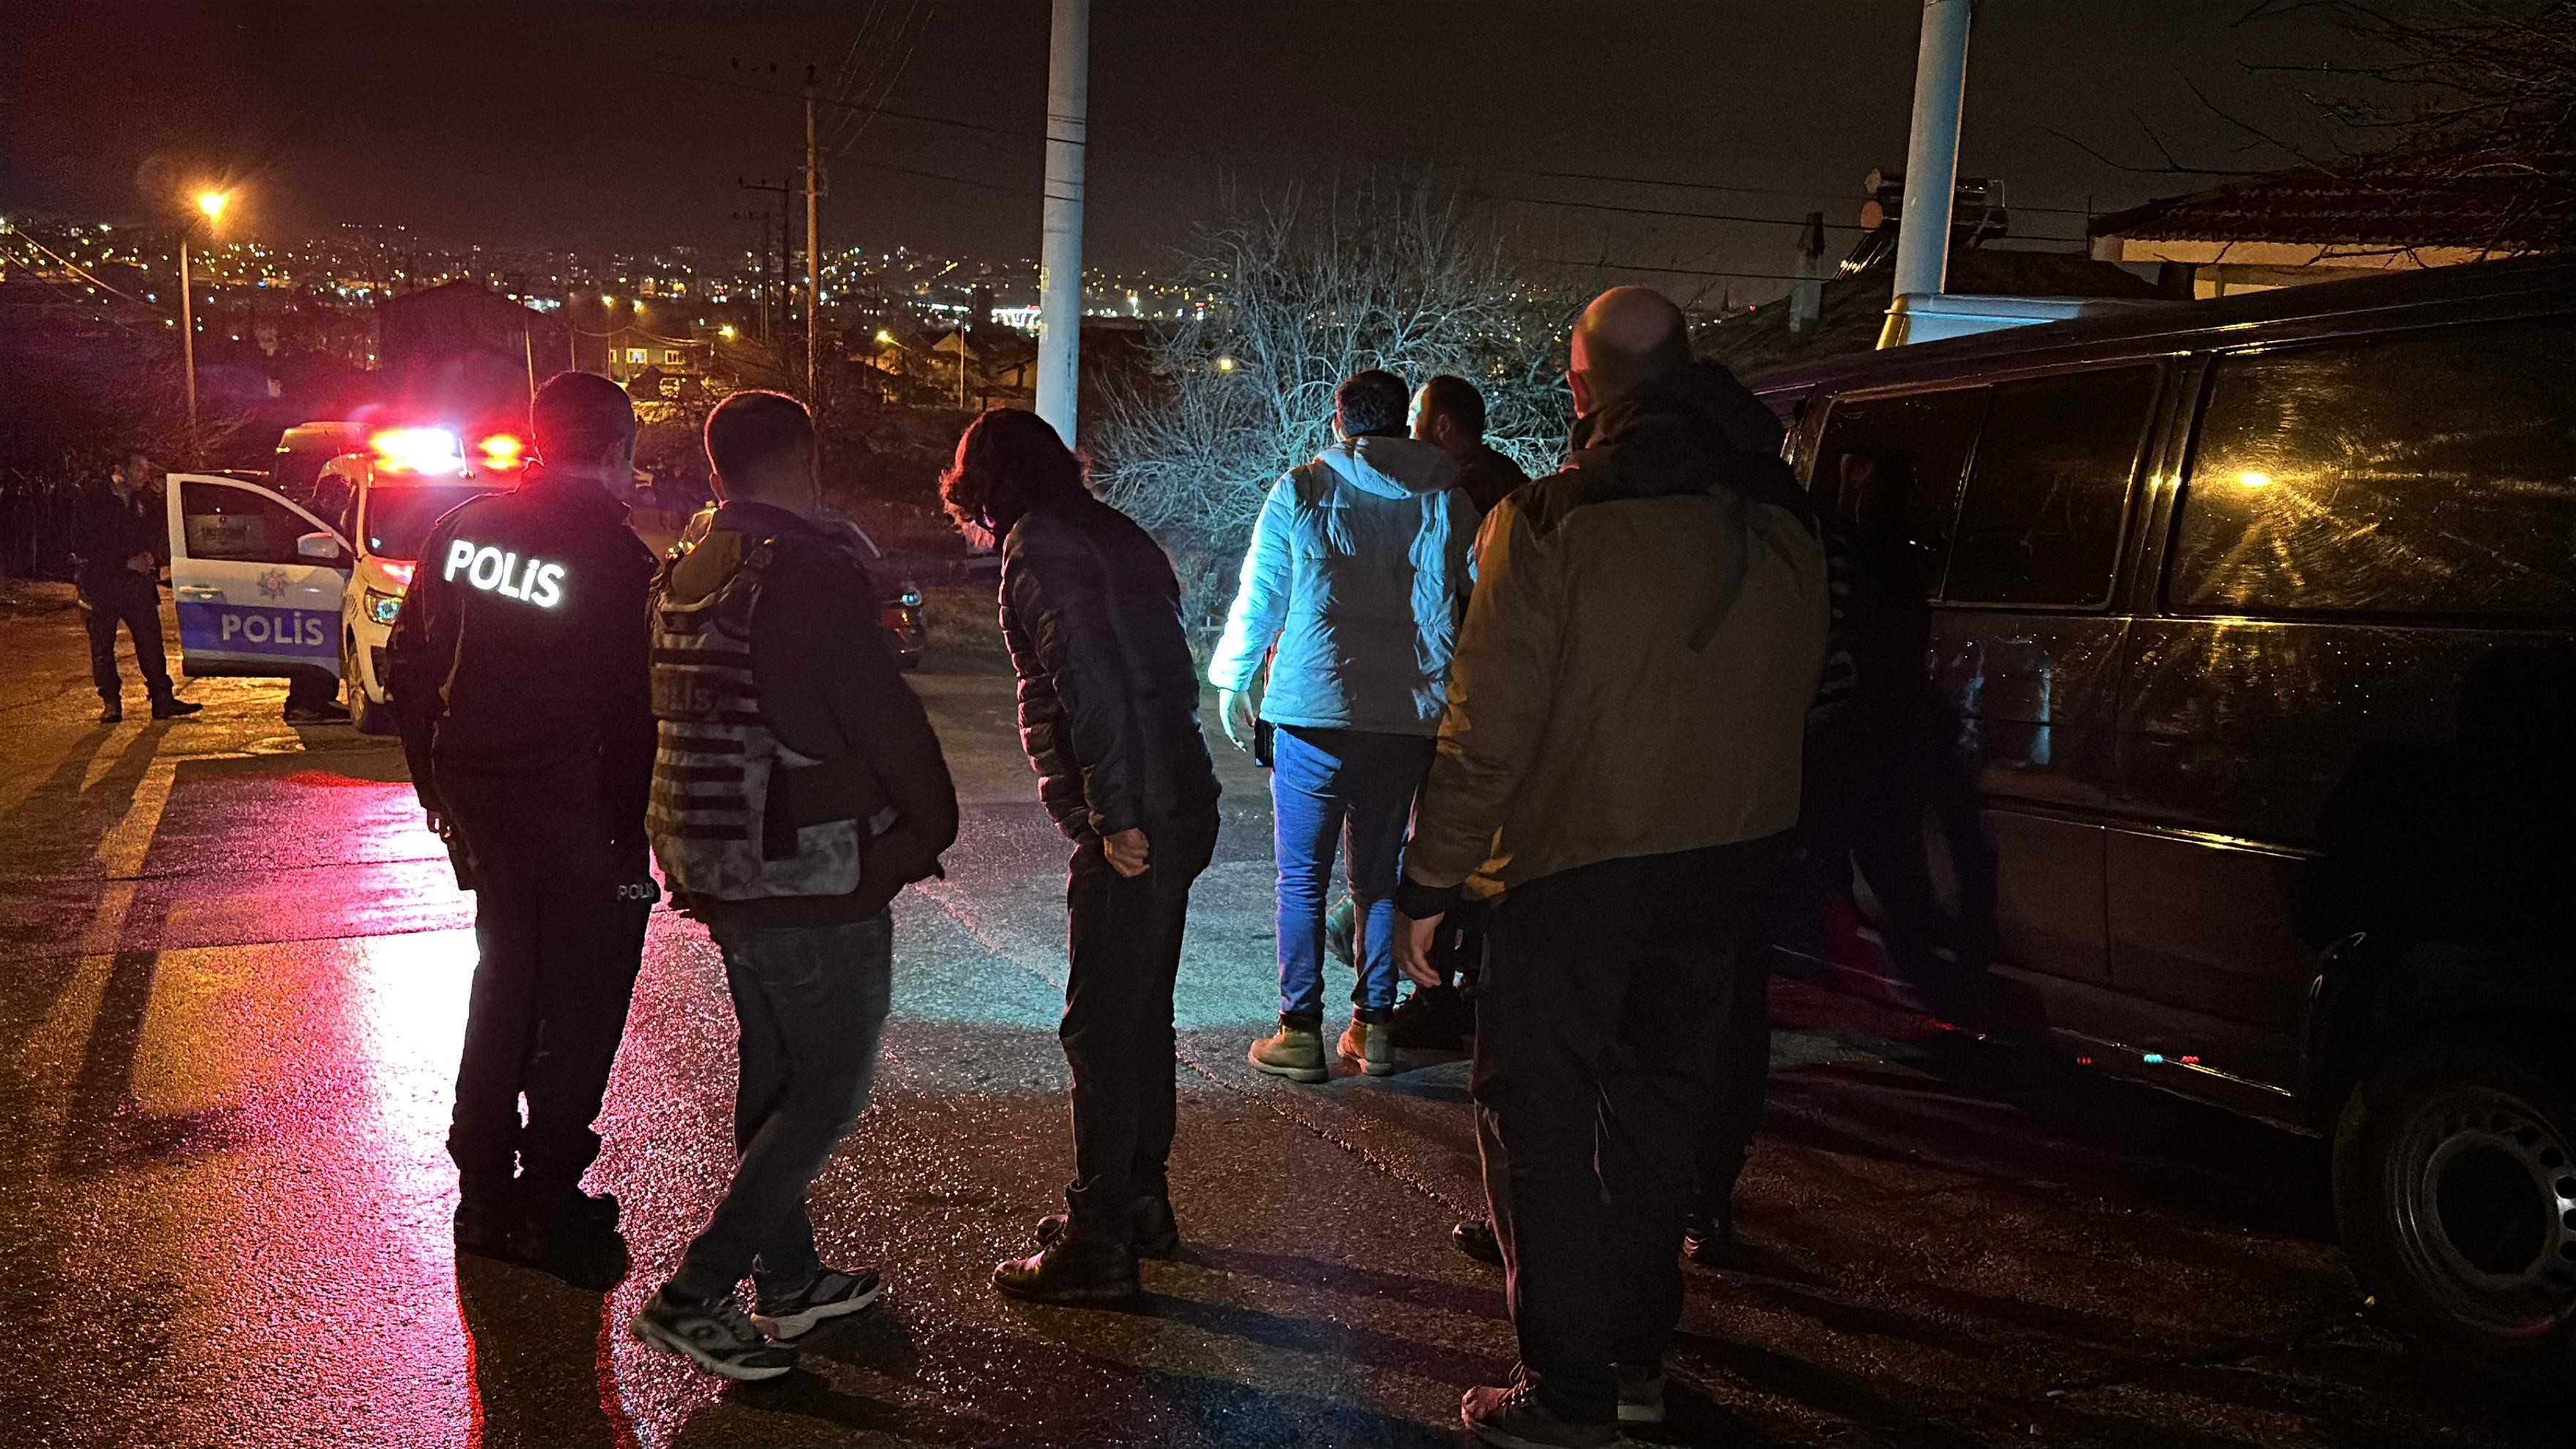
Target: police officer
<point x="519" y="668"/>
<point x="117" y="533"/>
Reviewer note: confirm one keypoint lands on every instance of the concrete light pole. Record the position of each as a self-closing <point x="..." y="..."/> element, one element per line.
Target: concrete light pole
<point x="1060" y="254"/>
<point x="1931" y="163"/>
<point x="212" y="203"/>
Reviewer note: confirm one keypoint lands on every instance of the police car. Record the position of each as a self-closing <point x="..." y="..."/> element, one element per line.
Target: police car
<point x="271" y="586"/>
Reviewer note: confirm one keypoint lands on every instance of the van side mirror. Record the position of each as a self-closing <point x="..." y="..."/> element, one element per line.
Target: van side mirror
<point x="321" y="546"/>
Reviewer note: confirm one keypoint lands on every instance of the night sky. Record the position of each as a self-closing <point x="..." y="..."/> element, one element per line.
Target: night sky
<point x="579" y="124"/>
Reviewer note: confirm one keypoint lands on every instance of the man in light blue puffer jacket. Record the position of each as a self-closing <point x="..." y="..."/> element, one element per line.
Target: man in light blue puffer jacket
<point x="1357" y="576"/>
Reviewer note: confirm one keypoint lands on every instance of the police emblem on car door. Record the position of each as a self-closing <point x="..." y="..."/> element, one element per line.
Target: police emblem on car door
<point x="259" y="581"/>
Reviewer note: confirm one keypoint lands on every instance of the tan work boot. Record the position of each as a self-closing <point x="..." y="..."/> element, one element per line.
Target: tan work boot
<point x="1371" y="1046"/>
<point x="1295" y="1052"/>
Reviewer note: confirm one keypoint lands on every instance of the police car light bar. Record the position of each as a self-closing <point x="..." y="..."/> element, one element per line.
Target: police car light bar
<point x="418" y="450"/>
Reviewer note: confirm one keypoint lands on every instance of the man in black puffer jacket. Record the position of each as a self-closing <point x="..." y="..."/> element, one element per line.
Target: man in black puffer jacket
<point x="1109" y="716"/>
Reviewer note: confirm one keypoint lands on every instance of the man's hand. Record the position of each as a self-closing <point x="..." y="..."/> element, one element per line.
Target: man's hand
<point x="143" y="563"/>
<point x="1128" y="852"/>
<point x="1234" y="710"/>
<point x="1413" y="948"/>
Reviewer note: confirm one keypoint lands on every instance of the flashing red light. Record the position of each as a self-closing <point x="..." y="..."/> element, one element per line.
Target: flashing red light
<point x="398" y="571"/>
<point x="418" y="450"/>
<point x="503" y="452"/>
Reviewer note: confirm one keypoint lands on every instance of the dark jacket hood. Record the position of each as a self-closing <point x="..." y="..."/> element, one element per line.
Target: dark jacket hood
<point x="1685" y="432"/>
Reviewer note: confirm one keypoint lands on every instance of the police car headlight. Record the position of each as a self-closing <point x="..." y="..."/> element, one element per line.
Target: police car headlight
<point x="909" y="598"/>
<point x="382" y="607"/>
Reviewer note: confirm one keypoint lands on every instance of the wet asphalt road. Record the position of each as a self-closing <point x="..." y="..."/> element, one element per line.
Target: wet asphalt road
<point x="232" y="981"/>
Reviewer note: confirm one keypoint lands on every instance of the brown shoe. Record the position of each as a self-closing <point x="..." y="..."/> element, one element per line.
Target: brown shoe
<point x="1295" y="1051"/>
<point x="1072" y="1271"/>
<point x="1512" y="1416"/>
<point x="1370" y="1045"/>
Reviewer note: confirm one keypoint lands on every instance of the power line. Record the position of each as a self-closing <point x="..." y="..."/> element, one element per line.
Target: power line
<point x="1677" y="271"/>
<point x="734" y="85"/>
<point x="1743" y="190"/>
<point x="944" y="176"/>
<point x="1712" y="215"/>
<point x="1660" y="211"/>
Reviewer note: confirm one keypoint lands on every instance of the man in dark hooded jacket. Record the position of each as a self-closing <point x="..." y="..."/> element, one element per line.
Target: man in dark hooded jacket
<point x="1619" y="758"/>
<point x="1109" y="716"/>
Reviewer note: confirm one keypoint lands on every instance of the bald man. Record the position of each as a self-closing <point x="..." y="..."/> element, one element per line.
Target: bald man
<point x="1618" y="760"/>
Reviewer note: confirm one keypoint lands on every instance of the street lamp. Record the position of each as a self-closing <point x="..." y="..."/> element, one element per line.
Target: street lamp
<point x="212" y="203"/>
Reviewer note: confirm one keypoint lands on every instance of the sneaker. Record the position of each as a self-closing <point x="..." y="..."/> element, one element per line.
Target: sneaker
<point x="1641" y="1393"/>
<point x="1513" y="1417"/>
<point x="1297" y="1053"/>
<point x="570" y="1242"/>
<point x="832" y="1294"/>
<point x="113" y="712"/>
<point x="1433" y="1018"/>
<point x="1475" y="1238"/>
<point x="714" y="1336"/>
<point x="1370" y="1046"/>
<point x="1152" y="1232"/>
<point x="1710" y="1241"/>
<point x="1072" y="1271"/>
<point x="173" y="708"/>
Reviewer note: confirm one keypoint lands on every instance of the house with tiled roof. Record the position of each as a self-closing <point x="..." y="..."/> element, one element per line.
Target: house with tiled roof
<point x="2319" y="224"/>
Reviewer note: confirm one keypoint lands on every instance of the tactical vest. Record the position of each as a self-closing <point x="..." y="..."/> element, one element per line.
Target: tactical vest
<point x="716" y="771"/>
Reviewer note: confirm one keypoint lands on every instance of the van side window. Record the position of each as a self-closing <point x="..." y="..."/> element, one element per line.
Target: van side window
<point x="2041" y="520"/>
<point x="2423" y="474"/>
<point x="1909" y="451"/>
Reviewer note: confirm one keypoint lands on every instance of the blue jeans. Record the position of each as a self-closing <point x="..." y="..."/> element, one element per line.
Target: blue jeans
<point x="1359" y="786"/>
<point x="811" y="1002"/>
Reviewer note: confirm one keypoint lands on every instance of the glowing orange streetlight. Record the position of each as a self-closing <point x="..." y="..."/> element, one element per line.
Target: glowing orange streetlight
<point x="212" y="204"/>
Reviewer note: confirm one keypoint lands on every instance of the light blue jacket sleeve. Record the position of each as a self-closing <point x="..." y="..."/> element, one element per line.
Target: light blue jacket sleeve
<point x="1261" y="600"/>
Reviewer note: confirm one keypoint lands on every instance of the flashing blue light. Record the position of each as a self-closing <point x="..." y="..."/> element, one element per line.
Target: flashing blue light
<point x="2155" y="1059"/>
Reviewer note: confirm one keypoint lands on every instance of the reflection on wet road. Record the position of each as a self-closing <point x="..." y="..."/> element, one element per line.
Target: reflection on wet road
<point x="234" y="988"/>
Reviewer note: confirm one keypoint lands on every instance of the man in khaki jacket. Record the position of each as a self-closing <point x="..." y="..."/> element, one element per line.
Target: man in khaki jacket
<point x="1619" y="754"/>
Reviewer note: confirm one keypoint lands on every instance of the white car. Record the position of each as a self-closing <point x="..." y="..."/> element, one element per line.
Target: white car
<point x="267" y="586"/>
<point x="395" y="492"/>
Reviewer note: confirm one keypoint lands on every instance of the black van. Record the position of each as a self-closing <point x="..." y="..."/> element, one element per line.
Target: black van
<point x="2256" y="622"/>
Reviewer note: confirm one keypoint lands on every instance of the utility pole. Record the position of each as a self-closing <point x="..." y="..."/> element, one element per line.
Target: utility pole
<point x="1068" y="131"/>
<point x="813" y="233"/>
<point x="188" y="341"/>
<point x="782" y="188"/>
<point x="1931" y="164"/>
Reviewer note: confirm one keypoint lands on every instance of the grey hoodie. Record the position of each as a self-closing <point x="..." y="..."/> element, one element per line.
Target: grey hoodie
<point x="1358" y="575"/>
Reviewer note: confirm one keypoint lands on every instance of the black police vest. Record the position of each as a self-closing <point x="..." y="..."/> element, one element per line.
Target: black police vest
<point x="717" y="759"/>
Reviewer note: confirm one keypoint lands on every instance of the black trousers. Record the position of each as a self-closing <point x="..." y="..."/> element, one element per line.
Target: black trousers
<point x="560" y="954"/>
<point x="1743" y="1084"/>
<point x="1600" y="1033"/>
<point x="1117" y="1030"/>
<point x="134" y="601"/>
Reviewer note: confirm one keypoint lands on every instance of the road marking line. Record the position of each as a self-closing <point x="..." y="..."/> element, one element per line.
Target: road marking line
<point x="124" y="846"/>
<point x="104" y="760"/>
<point x="64" y="1034"/>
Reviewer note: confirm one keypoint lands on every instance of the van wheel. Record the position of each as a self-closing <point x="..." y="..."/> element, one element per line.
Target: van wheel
<point x="369" y="717"/>
<point x="2455" y="1189"/>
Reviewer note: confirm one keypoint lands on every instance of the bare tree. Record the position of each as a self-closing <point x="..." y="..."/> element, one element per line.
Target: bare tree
<point x="2465" y="109"/>
<point x="1302" y="295"/>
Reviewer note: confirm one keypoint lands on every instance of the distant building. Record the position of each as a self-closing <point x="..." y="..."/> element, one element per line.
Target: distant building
<point x="2316" y="225"/>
